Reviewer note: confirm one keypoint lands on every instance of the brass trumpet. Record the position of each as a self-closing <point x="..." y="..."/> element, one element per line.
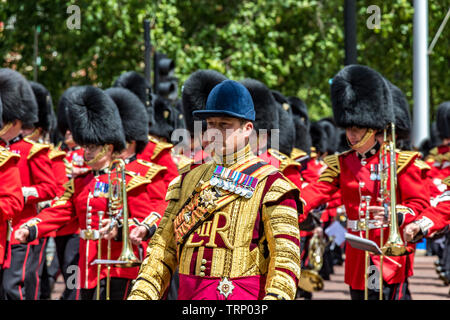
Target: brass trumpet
<point x="118" y="204"/>
<point x="394" y="245"/>
<point x="117" y="208"/>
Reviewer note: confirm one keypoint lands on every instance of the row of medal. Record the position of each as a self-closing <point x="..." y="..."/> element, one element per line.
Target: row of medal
<point x="234" y="181"/>
<point x="101" y="189"/>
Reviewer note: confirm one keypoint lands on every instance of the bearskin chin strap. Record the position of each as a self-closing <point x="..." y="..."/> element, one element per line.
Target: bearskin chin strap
<point x="98" y="156"/>
<point x="5" y="128"/>
<point x="369" y="133"/>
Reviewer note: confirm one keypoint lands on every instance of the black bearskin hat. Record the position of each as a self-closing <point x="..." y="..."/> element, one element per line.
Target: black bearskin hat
<point x="45" y="106"/>
<point x="301" y="123"/>
<point x="266" y="115"/>
<point x="299" y="109"/>
<point x="18" y="100"/>
<point x="93" y="118"/>
<point x="64" y="101"/>
<point x="361" y="97"/>
<point x="318" y="137"/>
<point x="137" y="84"/>
<point x="164" y="124"/>
<point x="195" y="93"/>
<point x="401" y="112"/>
<point x="286" y="123"/>
<point x="443" y="120"/>
<point x="132" y="113"/>
<point x="331" y="134"/>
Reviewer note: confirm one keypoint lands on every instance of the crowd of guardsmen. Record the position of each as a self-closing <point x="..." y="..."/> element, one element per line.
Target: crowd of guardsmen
<point x="55" y="180"/>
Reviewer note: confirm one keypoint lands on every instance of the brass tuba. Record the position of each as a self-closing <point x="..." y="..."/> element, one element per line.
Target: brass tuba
<point x="310" y="280"/>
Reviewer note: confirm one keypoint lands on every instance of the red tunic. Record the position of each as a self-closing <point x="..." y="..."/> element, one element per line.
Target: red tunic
<point x="411" y="193"/>
<point x="76" y="202"/>
<point x="11" y="198"/>
<point x="36" y="171"/>
<point x="160" y="153"/>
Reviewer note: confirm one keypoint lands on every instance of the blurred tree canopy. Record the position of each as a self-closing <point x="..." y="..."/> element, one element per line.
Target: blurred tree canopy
<point x="294" y="46"/>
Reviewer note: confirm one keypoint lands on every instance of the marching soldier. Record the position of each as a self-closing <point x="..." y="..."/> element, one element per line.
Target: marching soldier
<point x="230" y="224"/>
<point x="156" y="150"/>
<point x="439" y="161"/>
<point x="270" y="116"/>
<point x="433" y="220"/>
<point x="20" y="111"/>
<point x="195" y="93"/>
<point x="11" y="198"/>
<point x="40" y="132"/>
<point x="362" y="104"/>
<point x="95" y="124"/>
<point x="135" y="126"/>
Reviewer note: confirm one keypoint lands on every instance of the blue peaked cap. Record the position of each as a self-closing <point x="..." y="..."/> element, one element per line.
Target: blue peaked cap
<point x="229" y="98"/>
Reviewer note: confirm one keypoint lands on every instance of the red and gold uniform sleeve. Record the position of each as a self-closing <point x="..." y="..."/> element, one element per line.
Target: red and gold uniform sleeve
<point x="60" y="213"/>
<point x="413" y="190"/>
<point x="11" y="198"/>
<point x="59" y="169"/>
<point x="280" y="216"/>
<point x="43" y="180"/>
<point x="323" y="189"/>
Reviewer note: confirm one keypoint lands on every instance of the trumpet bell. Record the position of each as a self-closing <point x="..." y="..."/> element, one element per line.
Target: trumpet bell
<point x="310" y="281"/>
<point x="396" y="250"/>
<point x="127" y="259"/>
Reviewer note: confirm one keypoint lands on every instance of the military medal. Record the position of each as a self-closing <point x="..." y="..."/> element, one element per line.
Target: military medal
<point x="225" y="287"/>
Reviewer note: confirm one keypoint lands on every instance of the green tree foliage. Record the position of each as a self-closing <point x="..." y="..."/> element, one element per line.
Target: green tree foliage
<point x="294" y="46"/>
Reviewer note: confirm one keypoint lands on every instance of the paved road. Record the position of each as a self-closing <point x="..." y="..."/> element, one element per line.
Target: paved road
<point x="424" y="285"/>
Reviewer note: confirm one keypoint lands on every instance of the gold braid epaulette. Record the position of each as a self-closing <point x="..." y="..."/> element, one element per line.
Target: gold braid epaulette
<point x="333" y="168"/>
<point x="55" y="153"/>
<point x="184" y="163"/>
<point x="135" y="181"/>
<point x="153" y="170"/>
<point x="69" y="189"/>
<point x="422" y="165"/>
<point x="285" y="161"/>
<point x="35" y="148"/>
<point x="446" y="181"/>
<point x="297" y="153"/>
<point x="160" y="146"/>
<point x="404" y="158"/>
<point x="5" y="155"/>
<point x="432" y="155"/>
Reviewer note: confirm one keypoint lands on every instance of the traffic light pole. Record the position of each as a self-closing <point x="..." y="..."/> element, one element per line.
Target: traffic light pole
<point x="148" y="52"/>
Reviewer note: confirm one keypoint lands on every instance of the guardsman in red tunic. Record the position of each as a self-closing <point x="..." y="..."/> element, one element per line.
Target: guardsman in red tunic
<point x="135" y="126"/>
<point x="157" y="150"/>
<point x="266" y="143"/>
<point x="20" y="111"/>
<point x="362" y="104"/>
<point x="439" y="157"/>
<point x="229" y="223"/>
<point x="40" y="133"/>
<point x="439" y="161"/>
<point x="86" y="196"/>
<point x="11" y="198"/>
<point x="191" y="150"/>
<point x="433" y="220"/>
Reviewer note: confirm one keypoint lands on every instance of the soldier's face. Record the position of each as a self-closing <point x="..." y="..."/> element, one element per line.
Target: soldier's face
<point x="355" y="134"/>
<point x="97" y="157"/>
<point x="226" y="134"/>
